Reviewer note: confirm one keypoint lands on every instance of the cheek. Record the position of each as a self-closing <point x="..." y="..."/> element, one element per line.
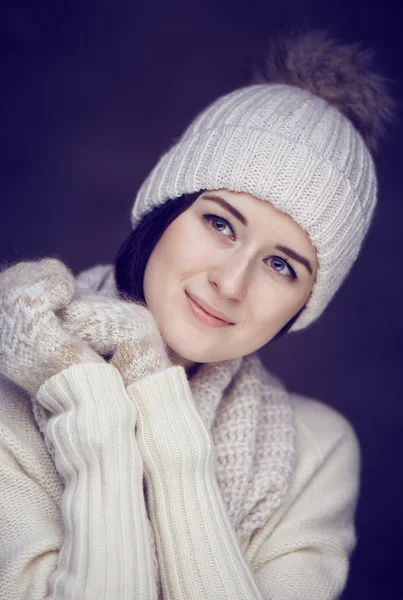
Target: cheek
<point x="183" y="247"/>
<point x="176" y="256"/>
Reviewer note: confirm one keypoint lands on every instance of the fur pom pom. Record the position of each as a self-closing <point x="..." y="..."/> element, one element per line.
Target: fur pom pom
<point x="341" y="74"/>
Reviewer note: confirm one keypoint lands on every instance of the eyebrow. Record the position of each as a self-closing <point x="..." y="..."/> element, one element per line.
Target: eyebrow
<point x="228" y="206"/>
<point x="291" y="253"/>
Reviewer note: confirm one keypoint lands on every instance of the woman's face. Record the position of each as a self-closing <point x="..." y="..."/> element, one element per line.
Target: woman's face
<point x="238" y="256"/>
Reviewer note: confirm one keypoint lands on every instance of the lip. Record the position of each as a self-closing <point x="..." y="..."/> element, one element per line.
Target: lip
<point x="206" y="313"/>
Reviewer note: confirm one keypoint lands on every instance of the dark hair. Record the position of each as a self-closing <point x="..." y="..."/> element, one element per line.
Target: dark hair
<point x="133" y="255"/>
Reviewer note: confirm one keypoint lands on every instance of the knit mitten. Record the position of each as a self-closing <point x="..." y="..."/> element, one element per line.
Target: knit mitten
<point x="33" y="344"/>
<point x="120" y="329"/>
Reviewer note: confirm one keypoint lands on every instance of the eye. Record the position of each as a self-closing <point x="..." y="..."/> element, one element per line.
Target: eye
<point x="219" y="224"/>
<point x="279" y="264"/>
<point x="282" y="266"/>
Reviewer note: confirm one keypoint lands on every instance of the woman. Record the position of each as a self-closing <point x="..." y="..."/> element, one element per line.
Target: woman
<point x="244" y="230"/>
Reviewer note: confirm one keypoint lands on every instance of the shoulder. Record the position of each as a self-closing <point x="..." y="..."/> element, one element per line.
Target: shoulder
<point x="319" y="428"/>
<point x="16" y="415"/>
<point x="322" y="430"/>
<point x="325" y="484"/>
<point x="318" y="510"/>
<point x="307" y="541"/>
<point x="327" y="457"/>
<point x="22" y="448"/>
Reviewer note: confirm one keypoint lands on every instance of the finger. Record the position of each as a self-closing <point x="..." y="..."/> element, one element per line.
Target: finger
<point x="92" y="322"/>
<point x="104" y="322"/>
<point x="69" y="347"/>
<point x="55" y="283"/>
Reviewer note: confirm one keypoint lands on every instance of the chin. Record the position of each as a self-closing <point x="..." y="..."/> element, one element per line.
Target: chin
<point x="197" y="354"/>
<point x="198" y="346"/>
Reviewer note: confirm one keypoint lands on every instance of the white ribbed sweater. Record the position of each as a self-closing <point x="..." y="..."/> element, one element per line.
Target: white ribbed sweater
<point x="78" y="527"/>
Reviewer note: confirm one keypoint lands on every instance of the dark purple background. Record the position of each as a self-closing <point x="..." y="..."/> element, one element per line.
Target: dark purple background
<point x="92" y="94"/>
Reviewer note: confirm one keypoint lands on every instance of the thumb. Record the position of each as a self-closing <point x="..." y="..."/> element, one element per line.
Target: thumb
<point x="90" y="319"/>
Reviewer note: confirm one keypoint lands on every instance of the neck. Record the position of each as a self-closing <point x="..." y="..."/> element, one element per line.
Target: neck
<point x="189" y="366"/>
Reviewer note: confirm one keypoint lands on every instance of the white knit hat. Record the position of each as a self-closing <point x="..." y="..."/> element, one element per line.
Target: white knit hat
<point x="292" y="148"/>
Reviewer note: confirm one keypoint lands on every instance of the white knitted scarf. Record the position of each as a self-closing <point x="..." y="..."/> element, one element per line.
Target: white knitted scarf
<point x="251" y="422"/>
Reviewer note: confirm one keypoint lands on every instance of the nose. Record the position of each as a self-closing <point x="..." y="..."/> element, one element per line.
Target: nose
<point x="231" y="277"/>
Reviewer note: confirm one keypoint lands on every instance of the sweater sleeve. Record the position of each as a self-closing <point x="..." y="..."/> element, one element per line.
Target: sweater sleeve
<point x="302" y="552"/>
<point x="103" y="551"/>
<point x="199" y="556"/>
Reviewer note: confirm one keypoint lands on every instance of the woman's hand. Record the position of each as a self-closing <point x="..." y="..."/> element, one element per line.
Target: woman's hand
<point x="33" y="344"/>
<point x="119" y="328"/>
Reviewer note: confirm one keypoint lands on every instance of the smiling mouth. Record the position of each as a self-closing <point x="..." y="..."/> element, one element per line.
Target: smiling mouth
<point x="204" y="316"/>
